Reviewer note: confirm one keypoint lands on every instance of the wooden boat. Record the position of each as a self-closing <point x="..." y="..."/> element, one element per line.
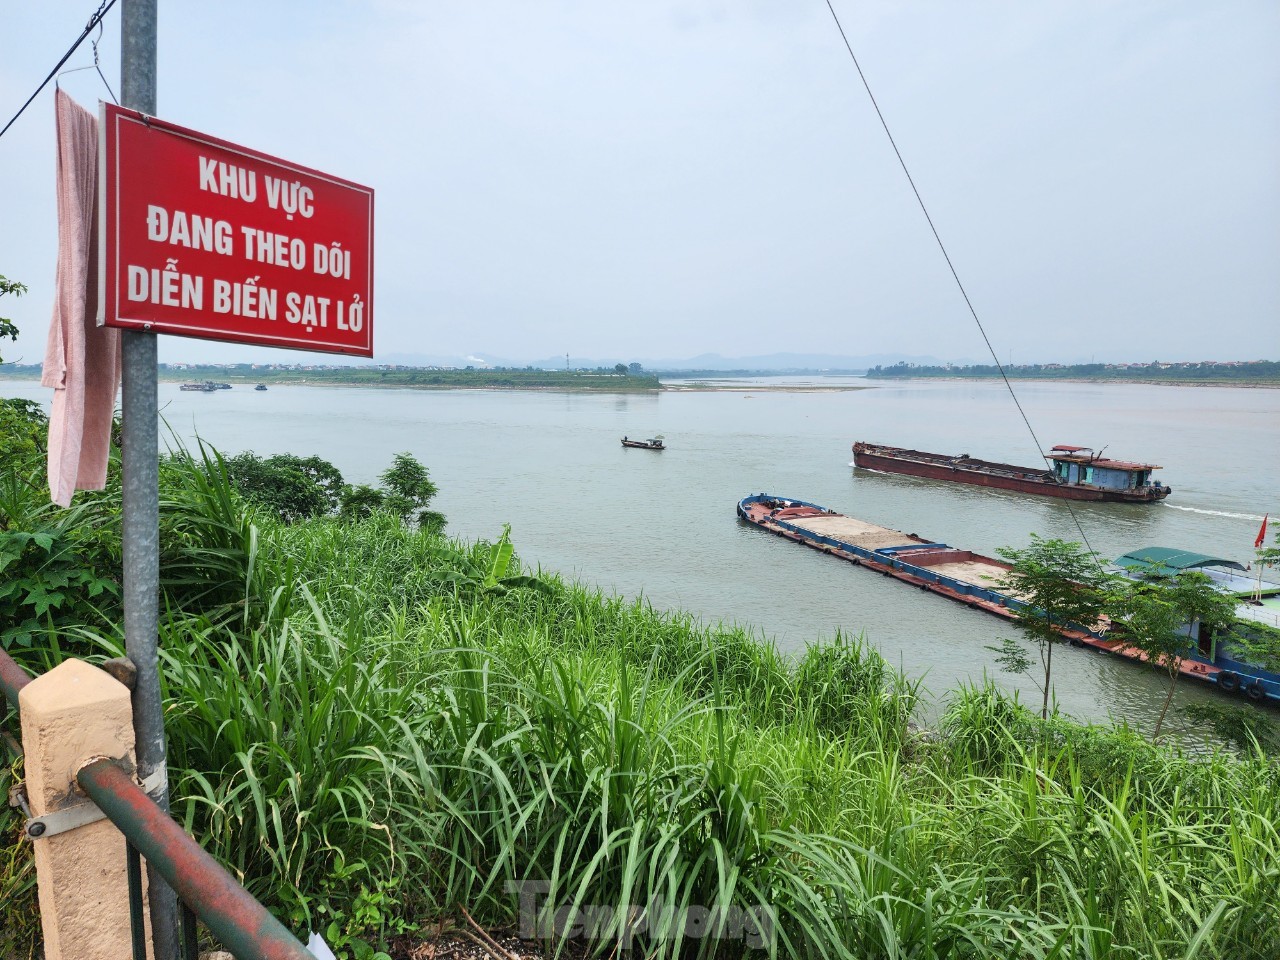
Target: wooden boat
<point x="653" y="443"/>
<point x="1077" y="473"/>
<point x="973" y="579"/>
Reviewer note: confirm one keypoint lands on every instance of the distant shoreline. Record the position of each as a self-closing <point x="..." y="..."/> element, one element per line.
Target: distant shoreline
<point x="761" y="388"/>
<point x="1129" y="381"/>
<point x="711" y="386"/>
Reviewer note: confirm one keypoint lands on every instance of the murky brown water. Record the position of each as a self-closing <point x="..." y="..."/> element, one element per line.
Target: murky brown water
<point x="663" y="524"/>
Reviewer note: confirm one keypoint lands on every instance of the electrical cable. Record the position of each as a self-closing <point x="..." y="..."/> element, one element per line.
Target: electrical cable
<point x="950" y="266"/>
<point x="96" y="19"/>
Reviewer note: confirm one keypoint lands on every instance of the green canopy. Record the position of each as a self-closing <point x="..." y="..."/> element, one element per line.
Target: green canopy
<point x="1167" y="558"/>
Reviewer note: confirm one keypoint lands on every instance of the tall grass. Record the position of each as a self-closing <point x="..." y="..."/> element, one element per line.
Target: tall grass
<point x="369" y="736"/>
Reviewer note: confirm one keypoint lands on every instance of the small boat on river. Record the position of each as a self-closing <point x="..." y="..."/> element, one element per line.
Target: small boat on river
<point x="974" y="580"/>
<point x="653" y="443"/>
<point x="1077" y="473"/>
<point x="261" y="386"/>
<point x="206" y="387"/>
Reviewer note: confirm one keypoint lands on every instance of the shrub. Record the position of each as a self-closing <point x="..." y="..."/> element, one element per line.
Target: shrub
<point x="24" y="430"/>
<point x="291" y="488"/>
<point x="58" y="567"/>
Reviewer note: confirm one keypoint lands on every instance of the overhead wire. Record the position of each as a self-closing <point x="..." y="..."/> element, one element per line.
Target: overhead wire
<point x="103" y="9"/>
<point x="951" y="266"/>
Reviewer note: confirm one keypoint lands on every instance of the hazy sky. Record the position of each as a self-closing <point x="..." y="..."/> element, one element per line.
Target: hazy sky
<point x="651" y="178"/>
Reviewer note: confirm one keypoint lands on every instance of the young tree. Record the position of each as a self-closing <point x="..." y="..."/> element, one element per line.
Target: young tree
<point x="1063" y="585"/>
<point x="409" y="492"/>
<point x="1163" y="616"/>
<point x="7" y="328"/>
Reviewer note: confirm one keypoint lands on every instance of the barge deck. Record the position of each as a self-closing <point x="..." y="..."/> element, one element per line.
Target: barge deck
<point x="960" y="575"/>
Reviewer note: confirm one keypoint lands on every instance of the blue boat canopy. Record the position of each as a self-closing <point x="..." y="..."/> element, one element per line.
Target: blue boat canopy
<point x="1174" y="561"/>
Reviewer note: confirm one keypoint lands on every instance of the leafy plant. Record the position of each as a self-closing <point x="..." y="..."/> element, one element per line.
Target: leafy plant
<point x="360" y="501"/>
<point x="406" y="492"/>
<point x="1163" y="616"/>
<point x="1058" y="586"/>
<point x="58" y="567"/>
<point x="1256" y="643"/>
<point x="493" y="569"/>
<point x="292" y="488"/>
<point x="24" y="430"/>
<point x="409" y="492"/>
<point x="1244" y="727"/>
<point x="1269" y="556"/>
<point x="7" y="327"/>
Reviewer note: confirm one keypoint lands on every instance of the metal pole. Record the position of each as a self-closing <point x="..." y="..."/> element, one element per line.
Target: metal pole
<point x="141" y="507"/>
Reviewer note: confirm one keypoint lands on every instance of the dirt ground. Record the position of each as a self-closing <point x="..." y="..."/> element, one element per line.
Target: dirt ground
<point x="465" y="940"/>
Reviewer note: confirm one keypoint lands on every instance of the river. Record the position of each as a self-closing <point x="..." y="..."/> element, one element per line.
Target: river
<point x="663" y="524"/>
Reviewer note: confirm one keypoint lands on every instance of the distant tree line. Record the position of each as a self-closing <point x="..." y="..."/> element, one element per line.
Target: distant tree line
<point x="612" y="379"/>
<point x="604" y="378"/>
<point x="1253" y="370"/>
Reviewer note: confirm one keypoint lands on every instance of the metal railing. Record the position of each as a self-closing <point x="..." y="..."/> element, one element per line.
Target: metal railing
<point x="205" y="889"/>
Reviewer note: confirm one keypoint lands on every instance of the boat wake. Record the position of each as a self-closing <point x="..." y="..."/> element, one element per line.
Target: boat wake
<point x="1214" y="513"/>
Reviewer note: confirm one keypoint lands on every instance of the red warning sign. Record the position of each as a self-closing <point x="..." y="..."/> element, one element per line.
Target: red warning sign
<point x="204" y="238"/>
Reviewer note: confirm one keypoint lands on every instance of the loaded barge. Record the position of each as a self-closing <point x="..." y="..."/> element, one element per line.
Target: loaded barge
<point x="966" y="577"/>
<point x="1077" y="473"/>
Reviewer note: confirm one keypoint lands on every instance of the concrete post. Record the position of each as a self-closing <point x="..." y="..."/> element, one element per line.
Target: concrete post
<point x="71" y="715"/>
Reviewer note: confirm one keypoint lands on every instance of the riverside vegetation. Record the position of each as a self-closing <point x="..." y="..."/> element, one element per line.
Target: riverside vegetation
<point x="617" y="379"/>
<point x="374" y="726"/>
<point x="1247" y="373"/>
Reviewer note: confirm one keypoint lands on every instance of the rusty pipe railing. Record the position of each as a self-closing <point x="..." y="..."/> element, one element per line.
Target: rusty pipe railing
<point x="233" y="916"/>
<point x="229" y="911"/>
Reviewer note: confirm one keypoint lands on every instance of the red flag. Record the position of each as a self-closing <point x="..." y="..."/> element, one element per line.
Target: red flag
<point x="1262" y="533"/>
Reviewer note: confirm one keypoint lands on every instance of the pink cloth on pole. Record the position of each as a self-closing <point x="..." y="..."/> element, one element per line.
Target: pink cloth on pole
<point x="82" y="360"/>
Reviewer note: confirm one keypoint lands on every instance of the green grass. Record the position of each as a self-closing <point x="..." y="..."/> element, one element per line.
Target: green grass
<point x="373" y="730"/>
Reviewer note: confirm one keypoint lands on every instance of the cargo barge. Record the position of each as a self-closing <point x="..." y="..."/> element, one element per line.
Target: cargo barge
<point x="1077" y="473"/>
<point x="969" y="578"/>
